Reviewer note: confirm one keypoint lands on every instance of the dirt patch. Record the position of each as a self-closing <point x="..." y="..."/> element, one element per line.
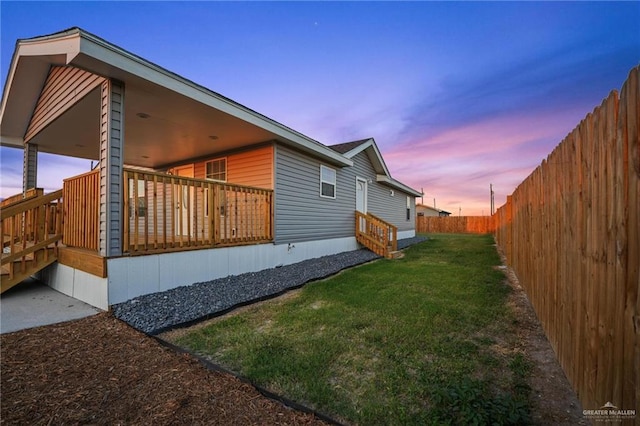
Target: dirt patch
<point x="98" y="370"/>
<point x="553" y="401"/>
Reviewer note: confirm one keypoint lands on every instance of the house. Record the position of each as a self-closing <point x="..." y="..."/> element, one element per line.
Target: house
<point x="189" y="185"/>
<point x="424" y="210"/>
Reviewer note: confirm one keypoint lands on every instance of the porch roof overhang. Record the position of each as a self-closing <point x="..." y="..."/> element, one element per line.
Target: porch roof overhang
<point x="168" y="119"/>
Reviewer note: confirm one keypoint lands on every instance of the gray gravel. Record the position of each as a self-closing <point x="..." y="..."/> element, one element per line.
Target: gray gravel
<point x="157" y="312"/>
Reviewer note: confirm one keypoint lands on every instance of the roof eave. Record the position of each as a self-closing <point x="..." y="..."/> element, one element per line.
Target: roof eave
<point x="386" y="180"/>
<point x="94" y="47"/>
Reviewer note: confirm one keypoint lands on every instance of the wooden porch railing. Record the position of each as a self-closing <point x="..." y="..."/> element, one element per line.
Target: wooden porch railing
<point x="32" y="230"/>
<point x="170" y="213"/>
<point x="30" y="193"/>
<point x="81" y="200"/>
<point x="376" y="234"/>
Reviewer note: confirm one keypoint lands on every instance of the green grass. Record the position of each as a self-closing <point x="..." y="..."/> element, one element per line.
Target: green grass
<point x="427" y="339"/>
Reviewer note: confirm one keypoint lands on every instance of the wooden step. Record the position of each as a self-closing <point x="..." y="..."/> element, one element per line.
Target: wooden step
<point x="31" y="267"/>
<point x="395" y="255"/>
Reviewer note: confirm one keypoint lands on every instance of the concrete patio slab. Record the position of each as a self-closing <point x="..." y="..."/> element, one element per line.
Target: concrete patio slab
<point x="32" y="304"/>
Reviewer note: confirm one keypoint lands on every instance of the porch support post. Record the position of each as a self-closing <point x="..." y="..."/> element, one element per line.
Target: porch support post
<point x="111" y="162"/>
<point x="30" y="167"/>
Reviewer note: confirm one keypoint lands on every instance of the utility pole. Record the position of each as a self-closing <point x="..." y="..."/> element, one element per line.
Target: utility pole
<point x="422" y="198"/>
<point x="434" y="203"/>
<point x="492" y="199"/>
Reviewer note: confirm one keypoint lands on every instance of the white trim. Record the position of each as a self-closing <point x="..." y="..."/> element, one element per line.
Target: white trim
<point x="226" y="170"/>
<point x="334" y="183"/>
<point x="366" y="193"/>
<point x="386" y="180"/>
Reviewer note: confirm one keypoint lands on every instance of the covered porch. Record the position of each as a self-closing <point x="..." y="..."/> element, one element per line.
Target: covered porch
<point x="163" y="213"/>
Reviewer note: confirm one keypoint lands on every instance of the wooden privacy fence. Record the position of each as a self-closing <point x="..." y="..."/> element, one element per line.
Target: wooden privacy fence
<point x="168" y="213"/>
<point x="570" y="232"/>
<point x="81" y="200"/>
<point x="455" y="224"/>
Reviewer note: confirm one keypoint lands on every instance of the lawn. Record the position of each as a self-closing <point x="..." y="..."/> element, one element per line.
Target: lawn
<point x="426" y="339"/>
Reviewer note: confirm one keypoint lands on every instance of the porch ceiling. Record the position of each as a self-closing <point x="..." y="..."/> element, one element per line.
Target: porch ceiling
<point x="161" y="128"/>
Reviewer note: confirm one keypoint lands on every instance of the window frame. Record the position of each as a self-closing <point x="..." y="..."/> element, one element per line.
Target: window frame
<point x="334" y="183"/>
<point x="408" y="208"/>
<point x="206" y="165"/>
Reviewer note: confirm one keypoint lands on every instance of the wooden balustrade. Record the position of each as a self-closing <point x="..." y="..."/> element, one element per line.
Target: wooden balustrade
<point x="376" y="234"/>
<point x="169" y="213"/>
<point x="32" y="230"/>
<point x="81" y="200"/>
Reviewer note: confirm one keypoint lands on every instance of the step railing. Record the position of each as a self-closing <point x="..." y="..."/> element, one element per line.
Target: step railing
<point x="32" y="230"/>
<point x="376" y="234"/>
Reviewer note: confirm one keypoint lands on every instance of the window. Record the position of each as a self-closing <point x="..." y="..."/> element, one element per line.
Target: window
<point x="216" y="169"/>
<point x="408" y="208"/>
<point x="138" y="206"/>
<point x="327" y="182"/>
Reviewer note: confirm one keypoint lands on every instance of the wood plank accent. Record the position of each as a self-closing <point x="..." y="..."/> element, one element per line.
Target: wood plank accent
<point x="377" y="235"/>
<point x="455" y="224"/>
<point x="571" y="232"/>
<point x="81" y="200"/>
<point x="64" y="87"/>
<point x="32" y="229"/>
<point x="171" y="213"/>
<point x="85" y="260"/>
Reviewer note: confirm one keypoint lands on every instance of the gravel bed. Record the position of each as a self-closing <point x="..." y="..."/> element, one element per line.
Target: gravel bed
<point x="158" y="312"/>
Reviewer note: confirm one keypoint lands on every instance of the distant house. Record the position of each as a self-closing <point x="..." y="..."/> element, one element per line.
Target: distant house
<point x="190" y="186"/>
<point x="423" y="210"/>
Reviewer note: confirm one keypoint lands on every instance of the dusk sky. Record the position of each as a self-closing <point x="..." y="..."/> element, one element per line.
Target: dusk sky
<point x="457" y="95"/>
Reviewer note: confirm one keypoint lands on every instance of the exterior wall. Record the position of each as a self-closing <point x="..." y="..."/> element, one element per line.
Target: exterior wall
<point x="250" y="168"/>
<point x="64" y="87"/>
<point x="387" y="203"/>
<point x="130" y="277"/>
<point x="301" y="214"/>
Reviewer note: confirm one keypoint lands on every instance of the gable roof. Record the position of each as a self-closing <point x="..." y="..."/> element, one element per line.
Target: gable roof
<point x="343" y="148"/>
<point x="351" y="149"/>
<point x="152" y="92"/>
<point x="76" y="47"/>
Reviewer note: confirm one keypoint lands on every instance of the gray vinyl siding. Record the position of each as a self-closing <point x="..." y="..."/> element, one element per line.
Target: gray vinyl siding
<point x="380" y="202"/>
<point x="302" y="215"/>
<point x="111" y="147"/>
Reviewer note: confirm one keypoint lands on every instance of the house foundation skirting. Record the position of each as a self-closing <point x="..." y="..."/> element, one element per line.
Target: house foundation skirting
<point x="130" y="277"/>
<point x="406" y="234"/>
<point x="78" y="284"/>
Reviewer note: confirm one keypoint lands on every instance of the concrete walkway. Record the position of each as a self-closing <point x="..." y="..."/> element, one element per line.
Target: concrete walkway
<point x="32" y="304"/>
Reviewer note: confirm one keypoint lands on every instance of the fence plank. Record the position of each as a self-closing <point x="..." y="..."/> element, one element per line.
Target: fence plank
<point x="575" y="246"/>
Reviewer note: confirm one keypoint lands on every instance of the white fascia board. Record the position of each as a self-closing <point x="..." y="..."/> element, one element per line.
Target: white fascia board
<point x="386" y="180"/>
<point x="11" y="142"/>
<point x="113" y="56"/>
<point x="58" y="49"/>
<point x="370" y="144"/>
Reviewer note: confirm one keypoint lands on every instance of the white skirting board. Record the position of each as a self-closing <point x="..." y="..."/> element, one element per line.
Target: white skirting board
<point x="130" y="277"/>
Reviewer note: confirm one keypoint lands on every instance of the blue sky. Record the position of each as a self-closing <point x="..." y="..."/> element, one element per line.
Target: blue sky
<point x="458" y="95"/>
